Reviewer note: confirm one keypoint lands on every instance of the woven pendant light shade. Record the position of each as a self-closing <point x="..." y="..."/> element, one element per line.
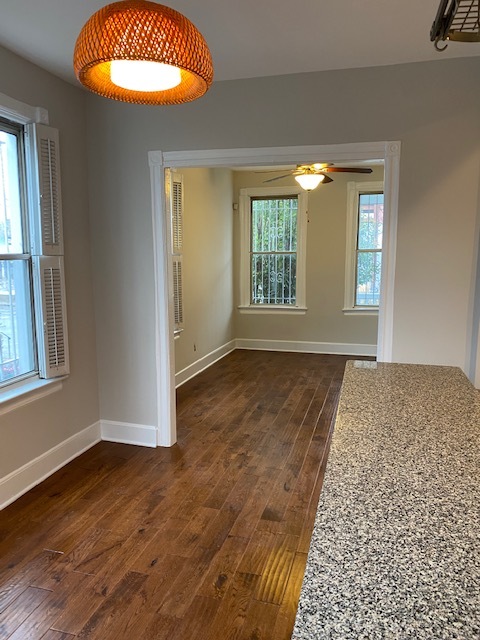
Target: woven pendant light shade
<point x="139" y="30"/>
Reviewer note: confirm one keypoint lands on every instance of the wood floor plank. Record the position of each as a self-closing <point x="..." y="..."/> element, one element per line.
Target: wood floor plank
<point x="129" y="514"/>
<point x="191" y="536"/>
<point x="111" y="572"/>
<point x="288" y="607"/>
<point x="20" y="609"/>
<point x="232" y="612"/>
<point x="83" y="605"/>
<point x="183" y="591"/>
<point x="113" y="609"/>
<point x="156" y="627"/>
<point x="162" y="545"/>
<point x="13" y="582"/>
<point x="276" y="572"/>
<point x="57" y="635"/>
<point x="42" y="618"/>
<point x="259" y="621"/>
<point x="215" y="534"/>
<point x="207" y="539"/>
<point x="304" y="498"/>
<point x="308" y="522"/>
<point x="222" y="568"/>
<point x="255" y="504"/>
<point x="256" y="555"/>
<point x="197" y="620"/>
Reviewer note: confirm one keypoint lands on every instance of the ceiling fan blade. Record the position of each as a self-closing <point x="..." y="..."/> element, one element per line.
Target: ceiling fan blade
<point x="326" y="180"/>
<point x="347" y="169"/>
<point x="270" y="171"/>
<point x="287" y="175"/>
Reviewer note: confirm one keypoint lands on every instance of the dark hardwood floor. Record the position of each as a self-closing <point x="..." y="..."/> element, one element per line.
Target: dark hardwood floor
<point x="207" y="540"/>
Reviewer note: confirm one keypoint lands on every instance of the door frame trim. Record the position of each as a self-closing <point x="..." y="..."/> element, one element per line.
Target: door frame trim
<point x="388" y="151"/>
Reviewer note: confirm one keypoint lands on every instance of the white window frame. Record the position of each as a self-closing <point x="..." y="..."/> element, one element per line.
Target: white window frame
<point x="354" y="189"/>
<point x="47" y="257"/>
<point x="246" y="196"/>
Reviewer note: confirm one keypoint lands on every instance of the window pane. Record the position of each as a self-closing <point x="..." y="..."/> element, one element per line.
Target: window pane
<point x="11" y="237"/>
<point x="369" y="271"/>
<point x="16" y="333"/>
<point x="370" y="221"/>
<point x="273" y="279"/>
<point x="274" y="224"/>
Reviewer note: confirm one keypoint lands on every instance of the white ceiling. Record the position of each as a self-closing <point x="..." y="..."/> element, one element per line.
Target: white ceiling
<point x="251" y="38"/>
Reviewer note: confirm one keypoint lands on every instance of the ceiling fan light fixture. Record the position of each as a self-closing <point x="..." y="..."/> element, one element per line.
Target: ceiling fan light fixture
<point x="143" y="52"/>
<point x="309" y="181"/>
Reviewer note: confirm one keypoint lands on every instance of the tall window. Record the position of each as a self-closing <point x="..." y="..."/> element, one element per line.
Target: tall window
<point x="17" y="355"/>
<point x="33" y="340"/>
<point x="369" y="249"/>
<point x="273" y="249"/>
<point x="364" y="246"/>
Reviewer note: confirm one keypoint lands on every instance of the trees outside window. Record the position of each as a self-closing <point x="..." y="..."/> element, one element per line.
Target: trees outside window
<point x="369" y="249"/>
<point x="363" y="267"/>
<point x="273" y="244"/>
<point x="274" y="250"/>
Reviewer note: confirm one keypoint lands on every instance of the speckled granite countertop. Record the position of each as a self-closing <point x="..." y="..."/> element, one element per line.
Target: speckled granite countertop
<point x="395" y="547"/>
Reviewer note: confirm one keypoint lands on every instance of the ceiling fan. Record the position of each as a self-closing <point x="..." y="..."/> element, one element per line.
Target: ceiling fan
<point x="309" y="176"/>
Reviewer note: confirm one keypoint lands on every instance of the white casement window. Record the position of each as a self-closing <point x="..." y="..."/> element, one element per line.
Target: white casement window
<point x="363" y="267"/>
<point x="175" y="197"/>
<point x="273" y="249"/>
<point x="33" y="329"/>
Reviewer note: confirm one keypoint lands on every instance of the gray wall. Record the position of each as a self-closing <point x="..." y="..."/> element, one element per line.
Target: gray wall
<point x="325" y="270"/>
<point x="28" y="432"/>
<point x="207" y="264"/>
<point x="432" y="108"/>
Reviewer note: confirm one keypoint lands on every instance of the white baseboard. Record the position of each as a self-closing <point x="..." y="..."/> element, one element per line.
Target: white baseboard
<point x="127" y="433"/>
<point x="22" y="480"/>
<point x="343" y="349"/>
<point x="203" y="363"/>
<point x="200" y="365"/>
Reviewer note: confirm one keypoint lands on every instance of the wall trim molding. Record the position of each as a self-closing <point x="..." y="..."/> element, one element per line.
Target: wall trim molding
<point x="203" y="363"/>
<point x="18" y="482"/>
<point x="164" y="321"/>
<point x="391" y="179"/>
<point x="21" y="112"/>
<point x="297" y="346"/>
<point x="142" y="435"/>
<point x="351" y="152"/>
<point x="275" y="155"/>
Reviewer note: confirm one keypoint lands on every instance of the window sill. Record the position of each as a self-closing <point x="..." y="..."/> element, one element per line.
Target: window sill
<point x="27" y="391"/>
<point x="272" y="308"/>
<point x="360" y="311"/>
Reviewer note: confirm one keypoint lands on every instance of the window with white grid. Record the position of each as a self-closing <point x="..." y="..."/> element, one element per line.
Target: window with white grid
<point x="363" y="269"/>
<point x="33" y="331"/>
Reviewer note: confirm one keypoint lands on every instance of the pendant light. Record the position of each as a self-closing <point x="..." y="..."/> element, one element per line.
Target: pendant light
<point x="144" y="52"/>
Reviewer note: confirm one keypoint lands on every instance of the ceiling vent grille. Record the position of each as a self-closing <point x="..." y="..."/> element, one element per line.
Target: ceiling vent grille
<point x="456" y="20"/>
